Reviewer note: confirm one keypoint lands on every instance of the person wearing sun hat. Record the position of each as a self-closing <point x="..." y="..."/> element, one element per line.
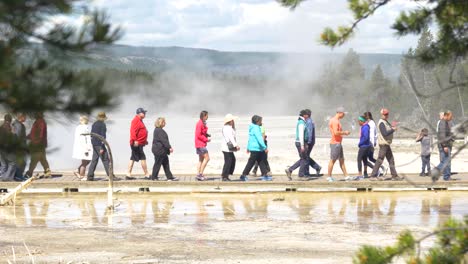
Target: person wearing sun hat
<point x="229" y="146"/>
<point x="99" y="148"/>
<point x="385" y="136"/>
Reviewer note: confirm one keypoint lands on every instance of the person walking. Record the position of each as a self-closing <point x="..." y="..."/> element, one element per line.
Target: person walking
<point x="301" y="145"/>
<point x="445" y="142"/>
<point x="82" y="147"/>
<point x="161" y="150"/>
<point x="265" y="139"/>
<point x="365" y="146"/>
<point x="19" y="130"/>
<point x="385" y="136"/>
<point x="8" y="145"/>
<point x="99" y="148"/>
<point x="38" y="145"/>
<point x="373" y="140"/>
<point x="310" y="126"/>
<point x="229" y="146"/>
<point x="138" y="140"/>
<point x="310" y="144"/>
<point x="201" y="140"/>
<point x="336" y="148"/>
<point x="423" y="137"/>
<point x="257" y="149"/>
<point x="441" y="118"/>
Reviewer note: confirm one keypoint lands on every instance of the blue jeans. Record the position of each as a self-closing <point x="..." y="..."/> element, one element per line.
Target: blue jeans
<point x="445" y="166"/>
<point x="303" y="162"/>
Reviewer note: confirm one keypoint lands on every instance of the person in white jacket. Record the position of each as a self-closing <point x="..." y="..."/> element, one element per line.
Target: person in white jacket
<point x="229" y="146"/>
<point x="82" y="147"/>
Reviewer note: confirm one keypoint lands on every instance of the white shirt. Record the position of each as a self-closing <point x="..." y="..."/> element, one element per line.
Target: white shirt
<point x="372" y="132"/>
<point x="229" y="134"/>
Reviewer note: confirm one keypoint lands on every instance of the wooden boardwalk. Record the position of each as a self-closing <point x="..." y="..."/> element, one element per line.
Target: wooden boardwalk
<point x="66" y="182"/>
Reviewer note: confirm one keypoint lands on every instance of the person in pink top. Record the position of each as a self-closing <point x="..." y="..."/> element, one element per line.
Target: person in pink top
<point x="138" y="139"/>
<point x="336" y="149"/>
<point x="201" y="139"/>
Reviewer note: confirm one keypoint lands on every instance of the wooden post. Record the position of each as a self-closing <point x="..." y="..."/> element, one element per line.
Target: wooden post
<point x="6" y="198"/>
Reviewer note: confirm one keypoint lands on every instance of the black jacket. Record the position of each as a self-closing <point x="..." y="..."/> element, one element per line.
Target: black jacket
<point x="161" y="143"/>
<point x="444" y="136"/>
<point x="99" y="127"/>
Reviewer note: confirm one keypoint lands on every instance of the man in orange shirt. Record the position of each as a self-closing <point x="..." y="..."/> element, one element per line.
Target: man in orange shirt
<point x="336" y="149"/>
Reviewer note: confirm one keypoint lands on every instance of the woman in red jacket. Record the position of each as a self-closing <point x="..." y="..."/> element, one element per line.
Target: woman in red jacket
<point x="201" y="139"/>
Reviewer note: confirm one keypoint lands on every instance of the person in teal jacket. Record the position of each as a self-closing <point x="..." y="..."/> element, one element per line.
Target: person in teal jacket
<point x="257" y="148"/>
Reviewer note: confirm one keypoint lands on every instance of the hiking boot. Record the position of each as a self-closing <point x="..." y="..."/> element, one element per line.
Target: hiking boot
<point x="288" y="174"/>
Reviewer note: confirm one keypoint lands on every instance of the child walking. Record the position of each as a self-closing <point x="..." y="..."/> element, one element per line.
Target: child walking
<point x="425" y="140"/>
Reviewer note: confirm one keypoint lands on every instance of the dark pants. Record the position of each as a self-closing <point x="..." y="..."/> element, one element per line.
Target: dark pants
<point x="426" y="163"/>
<point x="267" y="164"/>
<point x="256" y="156"/>
<point x="20" y="164"/>
<point x="445" y="164"/>
<point x="38" y="155"/>
<point x="370" y="156"/>
<point x="385" y="151"/>
<point x="303" y="162"/>
<point x="7" y="167"/>
<point x="94" y="161"/>
<point x="229" y="164"/>
<point x="164" y="161"/>
<point x="312" y="162"/>
<point x="363" y="155"/>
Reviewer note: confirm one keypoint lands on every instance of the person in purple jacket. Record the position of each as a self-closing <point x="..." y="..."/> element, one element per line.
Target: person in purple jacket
<point x="365" y="146"/>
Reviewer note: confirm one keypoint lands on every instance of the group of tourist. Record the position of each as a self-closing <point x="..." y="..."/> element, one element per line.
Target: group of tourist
<point x="89" y="147"/>
<point x="14" y="147"/>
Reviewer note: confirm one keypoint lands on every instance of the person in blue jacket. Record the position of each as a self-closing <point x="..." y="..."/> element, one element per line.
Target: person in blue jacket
<point x="257" y="149"/>
<point x="365" y="146"/>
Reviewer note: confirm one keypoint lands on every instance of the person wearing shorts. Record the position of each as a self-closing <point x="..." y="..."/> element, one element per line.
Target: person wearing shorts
<point x="201" y="140"/>
<point x="336" y="149"/>
<point x="138" y="139"/>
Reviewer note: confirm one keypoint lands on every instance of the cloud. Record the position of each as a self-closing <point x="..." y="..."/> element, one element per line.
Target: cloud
<point x="253" y="25"/>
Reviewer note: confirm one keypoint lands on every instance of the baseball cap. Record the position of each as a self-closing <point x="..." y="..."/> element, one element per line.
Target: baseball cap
<point x="141" y="110"/>
<point x="384" y="111"/>
<point x="341" y="110"/>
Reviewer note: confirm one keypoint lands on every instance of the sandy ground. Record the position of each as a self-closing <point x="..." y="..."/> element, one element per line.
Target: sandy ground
<point x="216" y="228"/>
<point x="281" y="136"/>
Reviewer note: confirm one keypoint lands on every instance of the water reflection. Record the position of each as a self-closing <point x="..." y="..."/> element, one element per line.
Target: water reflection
<point x="366" y="211"/>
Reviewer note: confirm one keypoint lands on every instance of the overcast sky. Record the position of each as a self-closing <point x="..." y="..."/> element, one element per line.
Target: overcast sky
<point x="251" y="25"/>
